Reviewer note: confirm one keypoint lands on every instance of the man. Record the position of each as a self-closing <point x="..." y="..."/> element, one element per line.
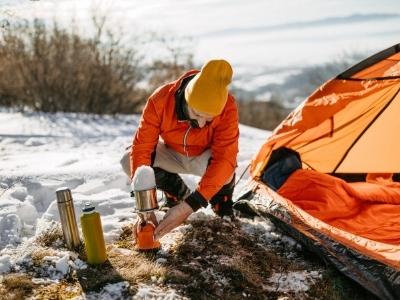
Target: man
<point x="197" y="120"/>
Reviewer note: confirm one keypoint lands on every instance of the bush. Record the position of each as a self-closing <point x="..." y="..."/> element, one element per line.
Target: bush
<point x="176" y="60"/>
<point x="46" y="68"/>
<point x="299" y="86"/>
<point x="262" y="114"/>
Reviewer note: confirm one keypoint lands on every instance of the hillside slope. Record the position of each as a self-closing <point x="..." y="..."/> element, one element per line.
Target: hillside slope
<point x="206" y="258"/>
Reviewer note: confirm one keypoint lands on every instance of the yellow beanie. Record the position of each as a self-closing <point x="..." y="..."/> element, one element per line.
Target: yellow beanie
<point x="207" y="92"/>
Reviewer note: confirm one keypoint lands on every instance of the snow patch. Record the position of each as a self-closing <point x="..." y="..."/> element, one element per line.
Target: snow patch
<point x="33" y="142"/>
<point x="10" y="229"/>
<point x="72" y="145"/>
<point x="257" y="226"/>
<point x="299" y="281"/>
<point x="78" y="264"/>
<point x="147" y="292"/>
<point x="5" y="263"/>
<point x="81" y="152"/>
<point x="62" y="264"/>
<point x="109" y="291"/>
<point x="19" y="193"/>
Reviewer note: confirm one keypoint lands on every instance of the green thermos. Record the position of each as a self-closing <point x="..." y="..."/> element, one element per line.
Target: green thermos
<point x="93" y="235"/>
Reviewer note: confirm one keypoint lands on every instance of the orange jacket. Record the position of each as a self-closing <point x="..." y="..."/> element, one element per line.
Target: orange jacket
<point x="160" y="118"/>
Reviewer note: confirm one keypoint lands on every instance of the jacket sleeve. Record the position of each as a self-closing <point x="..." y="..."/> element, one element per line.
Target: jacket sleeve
<point x="146" y="137"/>
<point x="224" y="150"/>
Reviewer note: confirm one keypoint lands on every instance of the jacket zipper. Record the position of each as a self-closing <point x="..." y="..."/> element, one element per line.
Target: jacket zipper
<point x="184" y="141"/>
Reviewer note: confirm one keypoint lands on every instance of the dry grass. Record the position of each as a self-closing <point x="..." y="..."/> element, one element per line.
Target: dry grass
<point x="126" y="238"/>
<point x="16" y="286"/>
<point x="334" y="286"/>
<point x="57" y="291"/>
<point x="136" y="267"/>
<point x="50" y="236"/>
<point x="20" y="286"/>
<point x="39" y="253"/>
<point x="214" y="259"/>
<point x="217" y="260"/>
<point x="261" y="114"/>
<point x="49" y="68"/>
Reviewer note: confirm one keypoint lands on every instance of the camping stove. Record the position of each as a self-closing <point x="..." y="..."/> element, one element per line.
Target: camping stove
<point x="146" y="202"/>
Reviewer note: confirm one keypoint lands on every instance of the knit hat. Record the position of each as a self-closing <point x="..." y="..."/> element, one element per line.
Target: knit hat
<point x="207" y="92"/>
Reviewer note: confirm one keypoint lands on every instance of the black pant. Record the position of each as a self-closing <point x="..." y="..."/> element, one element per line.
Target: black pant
<point x="173" y="185"/>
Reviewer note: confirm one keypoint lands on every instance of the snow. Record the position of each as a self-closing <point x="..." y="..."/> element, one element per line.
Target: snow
<point x="10" y="228"/>
<point x="52" y="267"/>
<point x="32" y="173"/>
<point x="116" y="291"/>
<point x="152" y="293"/>
<point x="62" y="264"/>
<point x="252" y="227"/>
<point x="109" y="291"/>
<point x="81" y="152"/>
<point x="294" y="281"/>
<point x="5" y="263"/>
<point x="144" y="179"/>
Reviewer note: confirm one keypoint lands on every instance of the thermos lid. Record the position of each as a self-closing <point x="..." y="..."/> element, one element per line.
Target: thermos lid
<point x="88" y="207"/>
<point x="63" y="195"/>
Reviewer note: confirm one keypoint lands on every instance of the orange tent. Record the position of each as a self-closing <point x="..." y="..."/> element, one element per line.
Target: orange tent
<point x="348" y="128"/>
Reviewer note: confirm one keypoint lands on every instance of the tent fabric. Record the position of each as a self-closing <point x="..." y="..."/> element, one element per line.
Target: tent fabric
<point x="380" y="66"/>
<point x="369" y="210"/>
<point x="342" y="126"/>
<point x="348" y="126"/>
<point x="323" y="131"/>
<point x="302" y="219"/>
<point x="379" y="278"/>
<point x="374" y="265"/>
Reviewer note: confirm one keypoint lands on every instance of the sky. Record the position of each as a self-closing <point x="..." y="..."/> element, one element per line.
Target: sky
<point x="250" y="34"/>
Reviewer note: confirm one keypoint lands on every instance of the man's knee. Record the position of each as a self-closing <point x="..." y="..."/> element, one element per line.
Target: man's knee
<point x="171" y="183"/>
<point x="230" y="178"/>
<point x="126" y="163"/>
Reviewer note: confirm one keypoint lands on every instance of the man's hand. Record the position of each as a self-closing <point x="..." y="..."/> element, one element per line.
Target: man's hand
<point x="222" y="206"/>
<point x="172" y="219"/>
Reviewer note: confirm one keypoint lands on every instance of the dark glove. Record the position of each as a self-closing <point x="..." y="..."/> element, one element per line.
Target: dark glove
<point x="222" y="205"/>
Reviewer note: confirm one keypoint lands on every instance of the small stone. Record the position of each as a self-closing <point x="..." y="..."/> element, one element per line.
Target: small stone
<point x="161" y="280"/>
<point x="161" y="260"/>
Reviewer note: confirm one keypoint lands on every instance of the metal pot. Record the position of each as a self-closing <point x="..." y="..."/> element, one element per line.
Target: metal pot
<point x="146" y="200"/>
